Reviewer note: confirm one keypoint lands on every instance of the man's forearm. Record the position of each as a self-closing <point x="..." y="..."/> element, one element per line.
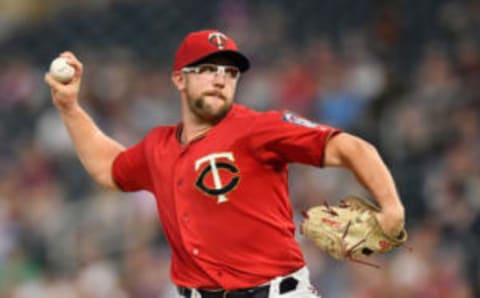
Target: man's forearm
<point x="372" y="172"/>
<point x="95" y="150"/>
<point x="363" y="160"/>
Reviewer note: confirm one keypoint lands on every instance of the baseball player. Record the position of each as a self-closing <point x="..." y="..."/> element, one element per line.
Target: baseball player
<point x="220" y="176"/>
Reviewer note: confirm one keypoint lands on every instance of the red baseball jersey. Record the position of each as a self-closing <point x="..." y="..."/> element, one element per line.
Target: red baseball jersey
<point x="223" y="198"/>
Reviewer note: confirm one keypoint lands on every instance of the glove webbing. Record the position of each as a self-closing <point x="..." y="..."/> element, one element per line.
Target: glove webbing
<point x="348" y="252"/>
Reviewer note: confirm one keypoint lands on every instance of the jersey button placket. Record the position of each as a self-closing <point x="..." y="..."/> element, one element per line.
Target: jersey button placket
<point x="182" y="211"/>
<point x="182" y="214"/>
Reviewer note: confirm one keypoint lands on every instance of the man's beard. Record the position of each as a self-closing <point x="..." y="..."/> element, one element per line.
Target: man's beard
<point x="204" y="111"/>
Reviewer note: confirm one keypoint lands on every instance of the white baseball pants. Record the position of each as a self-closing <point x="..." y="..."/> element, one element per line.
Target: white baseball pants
<point x="304" y="288"/>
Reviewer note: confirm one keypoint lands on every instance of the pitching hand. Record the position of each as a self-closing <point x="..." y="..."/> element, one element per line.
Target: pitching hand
<point x="65" y="95"/>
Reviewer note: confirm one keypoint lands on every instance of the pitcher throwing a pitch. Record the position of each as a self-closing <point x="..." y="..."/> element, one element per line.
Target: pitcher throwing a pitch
<point x="220" y="176"/>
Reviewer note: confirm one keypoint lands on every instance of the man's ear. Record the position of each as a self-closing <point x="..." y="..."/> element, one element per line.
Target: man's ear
<point x="178" y="80"/>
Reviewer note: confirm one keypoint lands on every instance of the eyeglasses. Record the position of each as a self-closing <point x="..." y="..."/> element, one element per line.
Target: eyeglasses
<point x="232" y="72"/>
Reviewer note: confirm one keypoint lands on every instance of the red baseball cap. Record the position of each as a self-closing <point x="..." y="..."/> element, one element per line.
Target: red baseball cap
<point x="202" y="44"/>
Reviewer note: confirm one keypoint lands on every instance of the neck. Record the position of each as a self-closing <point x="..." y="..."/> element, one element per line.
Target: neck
<point x="192" y="131"/>
<point x="193" y="127"/>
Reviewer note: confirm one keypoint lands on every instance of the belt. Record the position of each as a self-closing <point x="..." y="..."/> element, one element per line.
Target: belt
<point x="288" y="284"/>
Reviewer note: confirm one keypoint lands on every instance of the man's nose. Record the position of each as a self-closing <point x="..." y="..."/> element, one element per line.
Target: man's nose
<point x="219" y="78"/>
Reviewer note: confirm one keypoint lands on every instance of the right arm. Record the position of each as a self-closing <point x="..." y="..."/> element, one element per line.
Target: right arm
<point x="95" y="150"/>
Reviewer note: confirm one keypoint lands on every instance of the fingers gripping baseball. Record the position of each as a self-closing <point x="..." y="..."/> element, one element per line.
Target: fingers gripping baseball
<point x="65" y="92"/>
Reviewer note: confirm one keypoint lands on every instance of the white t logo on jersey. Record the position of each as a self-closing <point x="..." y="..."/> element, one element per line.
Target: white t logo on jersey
<point x="220" y="190"/>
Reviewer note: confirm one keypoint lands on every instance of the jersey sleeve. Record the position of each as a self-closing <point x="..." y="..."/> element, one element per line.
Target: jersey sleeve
<point x="130" y="169"/>
<point x="288" y="138"/>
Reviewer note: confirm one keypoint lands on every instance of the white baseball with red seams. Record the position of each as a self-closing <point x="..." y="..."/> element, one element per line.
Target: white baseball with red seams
<point x="61" y="70"/>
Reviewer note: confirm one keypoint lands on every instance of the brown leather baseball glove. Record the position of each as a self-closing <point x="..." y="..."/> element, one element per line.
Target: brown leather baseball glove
<point x="349" y="230"/>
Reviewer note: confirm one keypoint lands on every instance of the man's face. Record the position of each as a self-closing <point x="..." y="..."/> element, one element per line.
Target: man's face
<point x="210" y="89"/>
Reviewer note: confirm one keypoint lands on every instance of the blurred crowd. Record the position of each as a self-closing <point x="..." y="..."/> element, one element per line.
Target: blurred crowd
<point x="401" y="74"/>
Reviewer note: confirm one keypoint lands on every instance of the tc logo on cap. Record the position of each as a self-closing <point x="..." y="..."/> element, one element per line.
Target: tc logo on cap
<point x="218" y="39"/>
<point x="202" y="44"/>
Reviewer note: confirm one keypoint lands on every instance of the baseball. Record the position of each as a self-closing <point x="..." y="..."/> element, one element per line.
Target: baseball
<point x="61" y="70"/>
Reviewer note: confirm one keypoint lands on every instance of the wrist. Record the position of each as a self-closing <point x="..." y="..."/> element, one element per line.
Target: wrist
<point x="395" y="212"/>
<point x="396" y="217"/>
<point x="68" y="109"/>
<point x="392" y="207"/>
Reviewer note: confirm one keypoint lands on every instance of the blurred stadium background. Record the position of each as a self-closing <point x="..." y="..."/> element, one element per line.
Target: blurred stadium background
<point x="403" y="74"/>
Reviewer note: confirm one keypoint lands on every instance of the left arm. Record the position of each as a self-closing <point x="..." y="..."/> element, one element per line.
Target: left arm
<point x="362" y="158"/>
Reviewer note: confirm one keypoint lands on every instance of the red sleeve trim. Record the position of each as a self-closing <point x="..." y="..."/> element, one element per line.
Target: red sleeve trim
<point x="332" y="134"/>
<point x="114" y="173"/>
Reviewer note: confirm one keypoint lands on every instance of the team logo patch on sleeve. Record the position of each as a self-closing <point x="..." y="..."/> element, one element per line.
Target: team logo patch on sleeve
<point x="296" y="119"/>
